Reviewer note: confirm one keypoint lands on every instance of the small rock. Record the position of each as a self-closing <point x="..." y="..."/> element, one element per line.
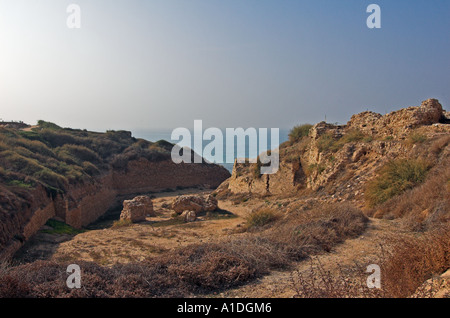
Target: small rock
<point x="189" y="216"/>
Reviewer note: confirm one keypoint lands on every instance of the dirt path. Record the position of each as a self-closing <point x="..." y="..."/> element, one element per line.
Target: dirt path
<point x="139" y="241"/>
<point x="364" y="249"/>
<point x="110" y="245"/>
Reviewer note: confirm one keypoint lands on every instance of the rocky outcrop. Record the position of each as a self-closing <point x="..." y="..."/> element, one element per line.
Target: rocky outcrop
<point x="398" y="122"/>
<point x="352" y="161"/>
<point x="137" y="209"/>
<point x="289" y="177"/>
<point x="196" y="203"/>
<point x="436" y="287"/>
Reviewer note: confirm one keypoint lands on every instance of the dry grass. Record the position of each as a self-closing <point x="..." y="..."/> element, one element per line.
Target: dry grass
<point x="316" y="230"/>
<point x="261" y="218"/>
<point x="412" y="261"/>
<point x="121" y="223"/>
<point x="318" y="282"/>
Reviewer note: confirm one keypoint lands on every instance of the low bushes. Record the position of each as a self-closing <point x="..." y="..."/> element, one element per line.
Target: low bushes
<point x="299" y="132"/>
<point x="424" y="207"/>
<point x="57" y="157"/>
<point x="318" y="229"/>
<point x="261" y="217"/>
<point x="415" y="260"/>
<point x="394" y="178"/>
<point x="327" y="142"/>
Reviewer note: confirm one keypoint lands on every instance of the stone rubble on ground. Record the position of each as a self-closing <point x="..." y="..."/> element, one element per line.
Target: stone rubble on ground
<point x="137" y="209"/>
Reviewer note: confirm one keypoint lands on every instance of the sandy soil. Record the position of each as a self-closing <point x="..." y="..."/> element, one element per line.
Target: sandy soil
<point x="158" y="234"/>
<point x="109" y="245"/>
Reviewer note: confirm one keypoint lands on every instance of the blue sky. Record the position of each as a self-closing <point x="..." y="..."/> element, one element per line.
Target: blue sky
<point x="232" y="63"/>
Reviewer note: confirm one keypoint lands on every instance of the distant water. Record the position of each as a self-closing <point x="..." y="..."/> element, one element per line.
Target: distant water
<point x="155" y="135"/>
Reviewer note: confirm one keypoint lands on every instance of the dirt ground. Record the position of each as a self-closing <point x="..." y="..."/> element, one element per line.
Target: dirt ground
<point x="107" y="245"/>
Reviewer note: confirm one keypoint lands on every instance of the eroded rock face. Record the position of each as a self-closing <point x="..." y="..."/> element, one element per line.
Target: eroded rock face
<point x="137" y="209"/>
<point x="345" y="169"/>
<point x="400" y="121"/>
<point x="437" y="287"/>
<point x="195" y="203"/>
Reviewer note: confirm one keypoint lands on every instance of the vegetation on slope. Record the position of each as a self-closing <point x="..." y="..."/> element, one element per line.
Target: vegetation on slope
<point x="327" y="142"/>
<point x="57" y="157"/>
<point x="394" y="178"/>
<point x="299" y="132"/>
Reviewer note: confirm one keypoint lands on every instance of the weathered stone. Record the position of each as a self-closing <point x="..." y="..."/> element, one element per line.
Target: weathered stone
<point x="189" y="216"/>
<point x="305" y="165"/>
<point x="398" y="122"/>
<point x="137" y="209"/>
<point x="194" y="203"/>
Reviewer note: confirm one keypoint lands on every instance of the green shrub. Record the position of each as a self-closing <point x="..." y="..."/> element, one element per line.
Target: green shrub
<point x="35" y="146"/>
<point x="90" y="169"/>
<point x="51" y="178"/>
<point x="20" y="184"/>
<point x="415" y="138"/>
<point x="394" y="178"/>
<point x="119" y="136"/>
<point x="76" y="174"/>
<point x="16" y="162"/>
<point x="59" y="227"/>
<point x="327" y="142"/>
<point x="48" y="125"/>
<point x="31" y="135"/>
<point x="353" y="135"/>
<point x="57" y="138"/>
<point x="164" y="145"/>
<point x="80" y="153"/>
<point x="299" y="132"/>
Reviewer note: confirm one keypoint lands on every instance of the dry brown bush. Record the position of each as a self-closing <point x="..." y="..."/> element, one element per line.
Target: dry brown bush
<point x="405" y="265"/>
<point x="318" y="282"/>
<point x="319" y="229"/>
<point x="412" y="261"/>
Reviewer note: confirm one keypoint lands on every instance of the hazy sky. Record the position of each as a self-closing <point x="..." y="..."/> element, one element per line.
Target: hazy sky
<point x="250" y="63"/>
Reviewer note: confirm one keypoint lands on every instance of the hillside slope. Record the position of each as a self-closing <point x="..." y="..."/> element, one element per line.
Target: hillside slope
<point x="335" y="162"/>
<point x="77" y="175"/>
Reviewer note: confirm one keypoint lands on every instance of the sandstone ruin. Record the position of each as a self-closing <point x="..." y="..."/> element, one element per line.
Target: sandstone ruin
<point x="195" y="203"/>
<point x="312" y="168"/>
<point x="137" y="209"/>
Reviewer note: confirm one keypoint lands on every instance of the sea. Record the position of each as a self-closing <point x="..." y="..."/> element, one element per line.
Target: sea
<point x="156" y="135"/>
